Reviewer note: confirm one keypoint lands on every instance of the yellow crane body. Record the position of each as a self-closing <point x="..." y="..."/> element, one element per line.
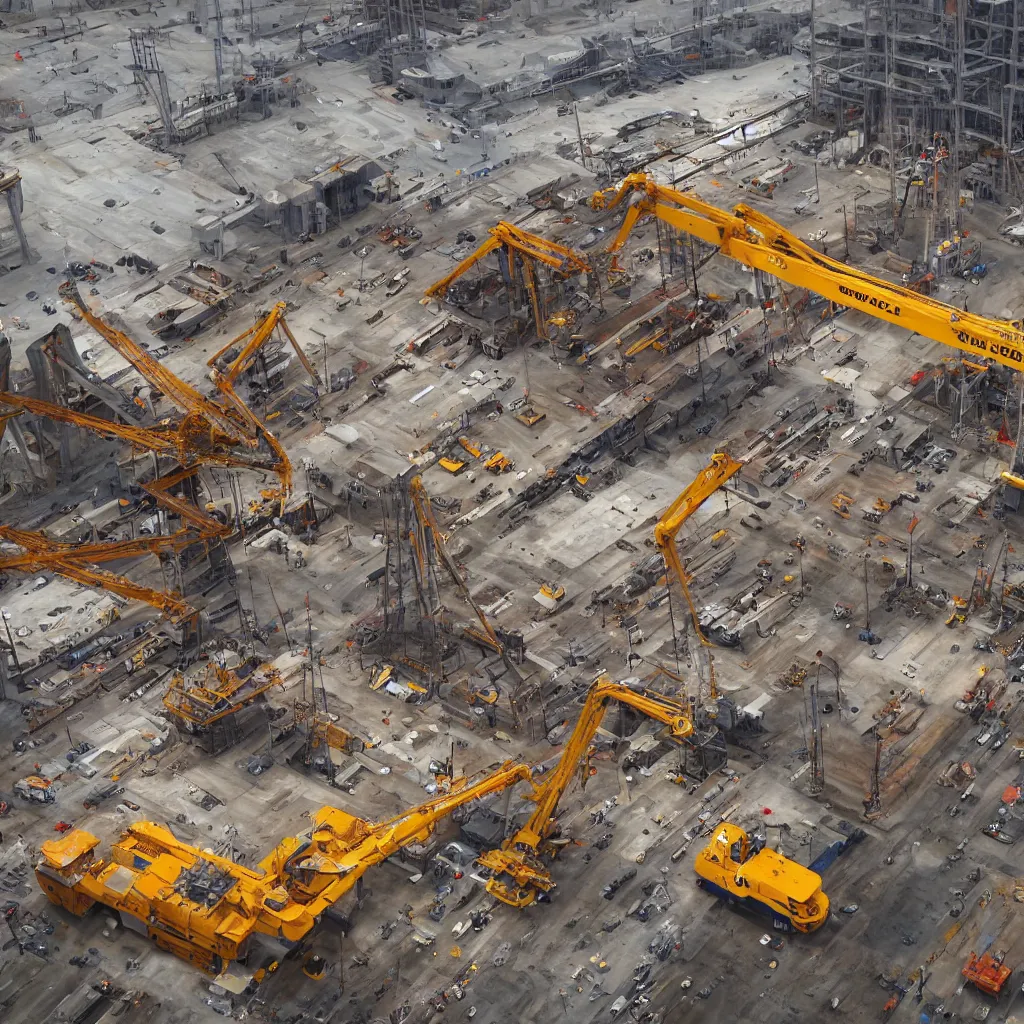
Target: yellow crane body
<point x="749" y="875"/>
<point x="755" y="240"/>
<point x="517" y="872"/>
<point x="205" y="908"/>
<point x="197" y="705"/>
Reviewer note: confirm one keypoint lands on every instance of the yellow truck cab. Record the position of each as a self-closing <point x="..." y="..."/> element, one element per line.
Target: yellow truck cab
<point x="746" y="873"/>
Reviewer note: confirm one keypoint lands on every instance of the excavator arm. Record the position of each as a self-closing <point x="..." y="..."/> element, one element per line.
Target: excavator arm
<point x="559" y="257"/>
<point x="719" y="471"/>
<point x="760" y="243"/>
<point x="517" y="871"/>
<point x="319" y="876"/>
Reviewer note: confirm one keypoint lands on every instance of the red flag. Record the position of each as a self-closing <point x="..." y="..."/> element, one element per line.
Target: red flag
<point x="913" y="524"/>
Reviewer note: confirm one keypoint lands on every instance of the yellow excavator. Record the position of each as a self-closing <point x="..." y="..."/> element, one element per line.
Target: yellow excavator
<point x="518" y="872"/>
<point x="205" y="908"/>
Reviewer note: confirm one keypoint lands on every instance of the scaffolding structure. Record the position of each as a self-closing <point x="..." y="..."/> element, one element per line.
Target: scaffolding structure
<point x="917" y="70"/>
<point x="413" y="629"/>
<point x="401" y="37"/>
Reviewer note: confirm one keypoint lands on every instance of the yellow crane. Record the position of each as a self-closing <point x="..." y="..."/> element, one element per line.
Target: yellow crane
<point x="526" y="248"/>
<point x="183" y="395"/>
<point x="430" y="533"/>
<point x="718" y="472"/>
<point x="207" y="425"/>
<point x="79" y="562"/>
<point x="249" y="345"/>
<point x="208" y="433"/>
<point x="518" y="873"/>
<point x="198" y="704"/>
<point x="755" y="240"/>
<point x="204" y="908"/>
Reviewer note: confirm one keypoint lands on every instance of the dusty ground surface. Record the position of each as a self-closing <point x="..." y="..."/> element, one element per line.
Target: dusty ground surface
<point x="923" y="899"/>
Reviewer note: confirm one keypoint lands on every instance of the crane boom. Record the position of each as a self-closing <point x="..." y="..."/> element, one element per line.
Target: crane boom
<point x="517" y="871"/>
<point x="169" y="602"/>
<point x="516" y="241"/>
<point x="755" y="240"/>
<point x="78" y="561"/>
<point x="183" y="395"/>
<point x="161" y="439"/>
<point x="203" y="907"/>
<point x="438" y="288"/>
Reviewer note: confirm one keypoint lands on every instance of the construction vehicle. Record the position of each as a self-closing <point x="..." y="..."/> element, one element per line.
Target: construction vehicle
<point x="37" y="789"/>
<point x="961" y="609"/>
<point x="474" y="449"/>
<point x="499" y="463"/>
<point x="518" y="871"/>
<point x="205" y="908"/>
<point x="523" y="254"/>
<point x="877" y="510"/>
<point x="755" y="240"/>
<point x="719" y="471"/>
<point x="841" y="505"/>
<point x="987" y="972"/>
<point x="453" y="465"/>
<point x="529" y="416"/>
<point x="549" y="596"/>
<point x="322" y="730"/>
<point x="745" y="873"/>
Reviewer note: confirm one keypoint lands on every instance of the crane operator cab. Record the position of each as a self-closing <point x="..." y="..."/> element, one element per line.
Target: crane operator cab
<point x="745" y="873"/>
